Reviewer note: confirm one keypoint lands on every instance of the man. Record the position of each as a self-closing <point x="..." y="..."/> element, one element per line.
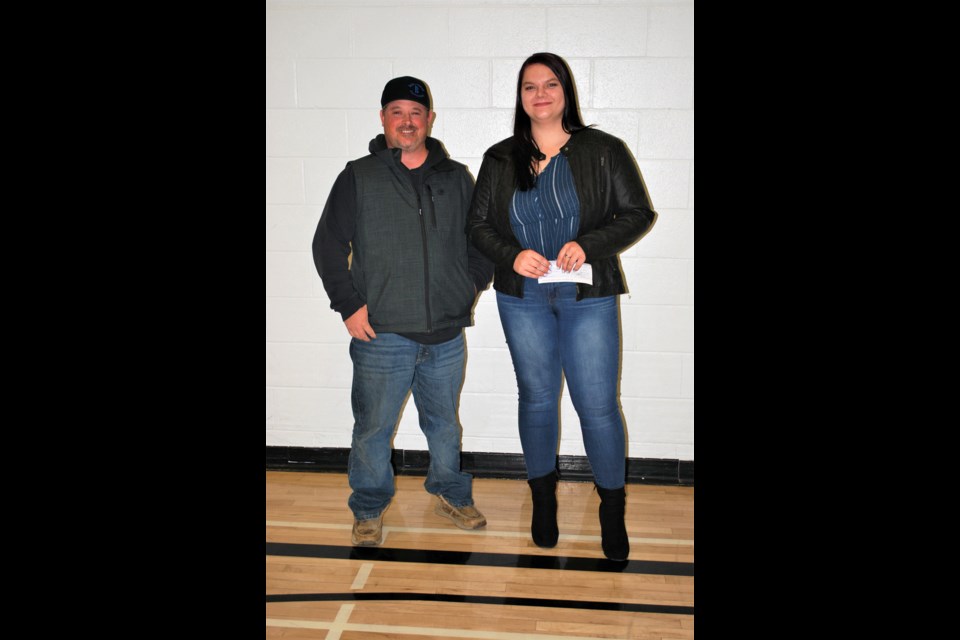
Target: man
<point x="405" y="297"/>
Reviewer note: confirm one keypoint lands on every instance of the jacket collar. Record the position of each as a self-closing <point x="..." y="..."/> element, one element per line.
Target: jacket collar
<point x="435" y="152"/>
<point x="503" y="150"/>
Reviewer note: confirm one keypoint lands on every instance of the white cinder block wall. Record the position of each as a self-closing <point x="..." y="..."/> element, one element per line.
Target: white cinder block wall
<point x="327" y="62"/>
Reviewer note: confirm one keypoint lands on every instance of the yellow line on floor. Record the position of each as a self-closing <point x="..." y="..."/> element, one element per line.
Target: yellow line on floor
<point x="340" y="622"/>
<point x="478" y="634"/>
<point x="478" y="532"/>
<point x="362" y="575"/>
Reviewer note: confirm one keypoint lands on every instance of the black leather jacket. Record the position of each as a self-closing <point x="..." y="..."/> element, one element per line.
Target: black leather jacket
<point x="614" y="210"/>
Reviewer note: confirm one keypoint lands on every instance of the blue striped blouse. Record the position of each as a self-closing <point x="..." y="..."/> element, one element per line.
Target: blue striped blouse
<point x="548" y="216"/>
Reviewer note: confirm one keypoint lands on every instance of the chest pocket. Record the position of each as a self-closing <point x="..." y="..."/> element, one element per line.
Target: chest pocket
<point x="445" y="215"/>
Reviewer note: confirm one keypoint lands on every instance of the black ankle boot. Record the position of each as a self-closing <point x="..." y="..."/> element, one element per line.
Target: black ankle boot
<point x="543" y="526"/>
<point x="613" y="533"/>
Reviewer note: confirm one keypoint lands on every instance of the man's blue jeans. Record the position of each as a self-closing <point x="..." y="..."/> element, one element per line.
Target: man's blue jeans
<point x="549" y="331"/>
<point x="384" y="371"/>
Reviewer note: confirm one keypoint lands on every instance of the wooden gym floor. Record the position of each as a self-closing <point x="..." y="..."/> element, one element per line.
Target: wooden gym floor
<point x="431" y="580"/>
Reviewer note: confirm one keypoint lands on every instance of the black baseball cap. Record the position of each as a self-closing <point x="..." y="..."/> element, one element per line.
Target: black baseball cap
<point x="405" y="88"/>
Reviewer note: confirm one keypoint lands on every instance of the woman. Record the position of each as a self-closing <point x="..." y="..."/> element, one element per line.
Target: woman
<point x="559" y="191"/>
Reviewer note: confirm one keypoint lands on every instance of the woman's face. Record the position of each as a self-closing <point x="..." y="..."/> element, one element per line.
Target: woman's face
<point x="541" y="94"/>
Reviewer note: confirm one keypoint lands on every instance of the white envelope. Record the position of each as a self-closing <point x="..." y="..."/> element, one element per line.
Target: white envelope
<point x="556" y="274"/>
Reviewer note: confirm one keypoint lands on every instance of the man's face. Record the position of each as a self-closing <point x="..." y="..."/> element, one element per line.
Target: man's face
<point x="406" y="124"/>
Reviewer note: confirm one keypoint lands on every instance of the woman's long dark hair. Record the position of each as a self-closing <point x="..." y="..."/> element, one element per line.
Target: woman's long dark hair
<point x="526" y="154"/>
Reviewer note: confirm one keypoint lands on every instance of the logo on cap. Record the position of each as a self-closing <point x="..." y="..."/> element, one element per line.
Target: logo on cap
<point x="416" y="89"/>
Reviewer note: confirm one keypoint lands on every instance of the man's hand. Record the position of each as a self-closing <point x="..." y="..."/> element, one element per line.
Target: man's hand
<point x="358" y="326"/>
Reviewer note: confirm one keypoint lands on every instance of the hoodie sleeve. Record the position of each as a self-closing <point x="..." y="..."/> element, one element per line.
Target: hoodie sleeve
<point x="331" y="244"/>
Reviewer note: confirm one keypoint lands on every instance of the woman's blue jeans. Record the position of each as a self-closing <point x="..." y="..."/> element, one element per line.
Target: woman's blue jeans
<point x="549" y="331"/>
<point x="384" y="371"/>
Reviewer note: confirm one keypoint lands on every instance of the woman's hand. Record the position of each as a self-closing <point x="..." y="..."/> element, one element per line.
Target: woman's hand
<point x="571" y="257"/>
<point x="531" y="264"/>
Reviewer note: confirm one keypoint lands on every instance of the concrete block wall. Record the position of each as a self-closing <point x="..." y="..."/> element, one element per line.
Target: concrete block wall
<point x="327" y="62"/>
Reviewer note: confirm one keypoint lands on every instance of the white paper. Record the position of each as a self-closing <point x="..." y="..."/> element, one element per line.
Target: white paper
<point x="556" y="274"/>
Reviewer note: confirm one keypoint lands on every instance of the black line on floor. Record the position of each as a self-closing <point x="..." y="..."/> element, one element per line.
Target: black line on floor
<point x="474" y="559"/>
<point x="518" y="602"/>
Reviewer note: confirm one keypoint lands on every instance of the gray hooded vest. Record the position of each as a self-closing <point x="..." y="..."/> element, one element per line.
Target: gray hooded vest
<point x="410" y="261"/>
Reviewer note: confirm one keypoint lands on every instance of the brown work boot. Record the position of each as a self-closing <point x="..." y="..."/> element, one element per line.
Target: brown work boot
<point x="463" y="517"/>
<point x="368" y="533"/>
